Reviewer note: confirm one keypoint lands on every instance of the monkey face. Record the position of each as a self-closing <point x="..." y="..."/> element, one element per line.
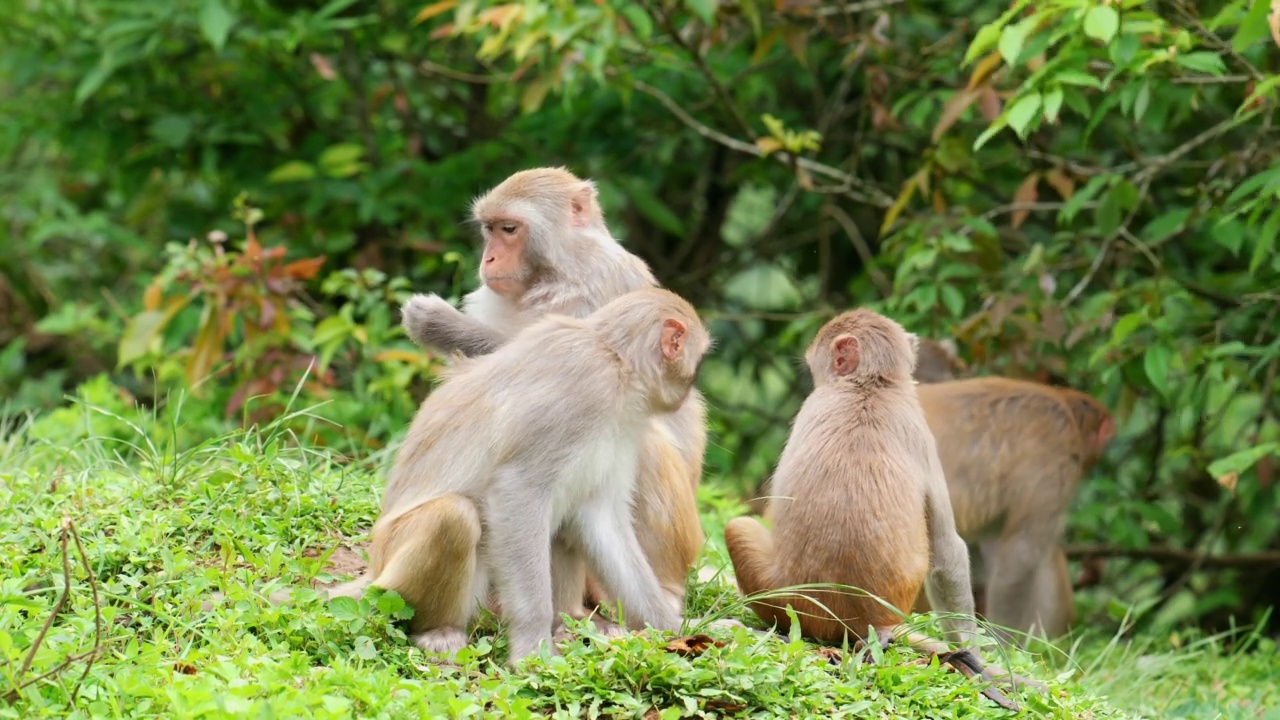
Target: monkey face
<point x="503" y="268"/>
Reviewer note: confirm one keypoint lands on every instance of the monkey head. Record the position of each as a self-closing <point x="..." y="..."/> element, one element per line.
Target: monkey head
<point x="861" y="344"/>
<point x="667" y="353"/>
<point x="530" y="223"/>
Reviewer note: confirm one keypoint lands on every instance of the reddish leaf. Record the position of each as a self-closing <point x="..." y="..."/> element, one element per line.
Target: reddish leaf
<point x="952" y="110"/>
<point x="1061" y="182"/>
<point x="982" y="73"/>
<point x="441" y="32"/>
<point x="306" y="268"/>
<point x="989" y="103"/>
<point x="433" y="10"/>
<point x="323" y="67"/>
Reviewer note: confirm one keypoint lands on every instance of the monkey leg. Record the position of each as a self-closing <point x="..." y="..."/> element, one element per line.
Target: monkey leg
<point x="1017" y="558"/>
<point x="751" y="551"/>
<point x="429" y="556"/>
<point x="666" y="513"/>
<point x="568" y="575"/>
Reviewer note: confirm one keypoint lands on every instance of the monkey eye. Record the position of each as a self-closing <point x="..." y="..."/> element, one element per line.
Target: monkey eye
<point x="509" y="228"/>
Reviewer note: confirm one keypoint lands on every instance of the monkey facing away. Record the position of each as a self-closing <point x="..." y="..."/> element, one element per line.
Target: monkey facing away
<point x="1014" y="452"/>
<point x="541" y="438"/>
<point x="858" y="495"/>
<point x="547" y="250"/>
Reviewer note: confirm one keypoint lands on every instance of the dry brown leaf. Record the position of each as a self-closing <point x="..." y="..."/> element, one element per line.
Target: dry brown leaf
<point x="1228" y="481"/>
<point x="1061" y="182"/>
<point x="1025" y="194"/>
<point x="323" y="67"/>
<point x="433" y="10"/>
<point x="692" y="645"/>
<point x="985" y="68"/>
<point x="831" y="654"/>
<point x="952" y="110"/>
<point x="989" y="103"/>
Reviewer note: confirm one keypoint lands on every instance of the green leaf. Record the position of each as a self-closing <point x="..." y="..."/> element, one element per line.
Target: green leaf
<point x="989" y="133"/>
<point x="1254" y="26"/>
<point x="172" y="130"/>
<point x="344" y="608"/>
<point x="653" y="208"/>
<point x="1240" y="461"/>
<point x="986" y="38"/>
<point x="1165" y="225"/>
<point x="1012" y="39"/>
<point x="1077" y="77"/>
<point x="639" y="21"/>
<point x="90" y="83"/>
<point x="1052" y="104"/>
<point x="704" y="9"/>
<point x="1205" y="62"/>
<point x="341" y="160"/>
<point x="1023" y="112"/>
<point x="953" y="300"/>
<point x="292" y="171"/>
<point x="1156" y="363"/>
<point x="1230" y="234"/>
<point x="1125" y="326"/>
<point x="215" y="23"/>
<point x="1102" y="22"/>
<point x="1266" y="241"/>
<point x="1259" y="90"/>
<point x="139" y="332"/>
<point x="1142" y="101"/>
<point x="1077" y="202"/>
<point x="1107" y="216"/>
<point x="364" y="649"/>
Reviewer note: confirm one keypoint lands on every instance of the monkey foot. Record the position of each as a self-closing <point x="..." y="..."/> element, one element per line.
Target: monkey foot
<point x="883" y="638"/>
<point x="442" y="641"/>
<point x="968" y="665"/>
<point x="608" y="628"/>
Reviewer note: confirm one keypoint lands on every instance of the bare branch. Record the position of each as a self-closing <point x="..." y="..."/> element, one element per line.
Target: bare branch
<point x="882" y="282"/>
<point x="1176" y="556"/>
<point x="857" y="7"/>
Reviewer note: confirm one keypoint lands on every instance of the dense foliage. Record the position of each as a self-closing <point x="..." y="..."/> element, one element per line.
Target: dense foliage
<point x="221" y="203"/>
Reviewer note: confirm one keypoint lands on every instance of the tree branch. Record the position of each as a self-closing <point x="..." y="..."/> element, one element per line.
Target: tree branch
<point x="1175" y="556"/>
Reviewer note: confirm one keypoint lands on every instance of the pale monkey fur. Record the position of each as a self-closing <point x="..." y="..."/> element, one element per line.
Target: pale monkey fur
<point x="858" y="496"/>
<point x="540" y="438"/>
<point x="1014" y="452"/>
<point x="545" y="233"/>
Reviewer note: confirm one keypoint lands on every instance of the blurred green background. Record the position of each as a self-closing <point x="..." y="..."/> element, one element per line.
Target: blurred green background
<point x="225" y="201"/>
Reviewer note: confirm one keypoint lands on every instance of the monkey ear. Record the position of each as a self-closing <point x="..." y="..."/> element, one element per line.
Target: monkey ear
<point x="673" y="332"/>
<point x="583" y="204"/>
<point x="844" y="355"/>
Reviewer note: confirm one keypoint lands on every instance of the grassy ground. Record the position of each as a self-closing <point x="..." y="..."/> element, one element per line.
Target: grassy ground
<point x="93" y="494"/>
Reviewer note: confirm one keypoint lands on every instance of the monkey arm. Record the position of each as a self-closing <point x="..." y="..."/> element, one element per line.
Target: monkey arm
<point x="429" y="321"/>
<point x="518" y="526"/>
<point x="949" y="586"/>
<point x="609" y="539"/>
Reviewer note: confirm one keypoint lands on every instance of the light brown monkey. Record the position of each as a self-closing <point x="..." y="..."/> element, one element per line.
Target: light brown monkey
<point x="858" y="495"/>
<point x="1013" y="452"/>
<point x="937" y="361"/>
<point x="547" y="250"/>
<point x="541" y="438"/>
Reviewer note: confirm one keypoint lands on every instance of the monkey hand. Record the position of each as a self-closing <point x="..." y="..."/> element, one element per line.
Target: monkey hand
<point x="420" y="312"/>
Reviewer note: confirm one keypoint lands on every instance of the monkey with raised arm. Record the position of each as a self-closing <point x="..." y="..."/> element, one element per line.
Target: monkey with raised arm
<point x="539" y="439"/>
<point x="547" y="250"/>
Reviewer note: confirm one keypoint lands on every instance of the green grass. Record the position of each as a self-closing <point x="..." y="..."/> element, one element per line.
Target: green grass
<point x="248" y="513"/>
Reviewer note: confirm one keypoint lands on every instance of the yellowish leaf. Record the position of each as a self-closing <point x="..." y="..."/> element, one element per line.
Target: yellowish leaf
<point x="904" y="196"/>
<point x="433" y="10"/>
<point x="1273" y="21"/>
<point x="985" y="68"/>
<point x="406" y="356"/>
<point x="151" y="298"/>
<point x="768" y="145"/>
<point x="1228" y="481"/>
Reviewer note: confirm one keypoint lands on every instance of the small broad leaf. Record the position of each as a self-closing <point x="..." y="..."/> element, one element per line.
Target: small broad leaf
<point x="989" y="133"/>
<point x="1253" y="27"/>
<point x="952" y="109"/>
<point x="344" y="608"/>
<point x="1266" y="241"/>
<point x="1012" y="39"/>
<point x="1022" y="112"/>
<point x="986" y="38"/>
<point x="1077" y="77"/>
<point x="1166" y="225"/>
<point x="1156" y="364"/>
<point x="1125" y="326"/>
<point x="215" y="23"/>
<point x="1102" y="22"/>
<point x="1052" y="104"/>
<point x="292" y="171"/>
<point x="90" y="83"/>
<point x="1025" y="194"/>
<point x="704" y="9"/>
<point x="364" y="649"/>
<point x="639" y="21"/>
<point x="1205" y="62"/>
<point x="1241" y="461"/>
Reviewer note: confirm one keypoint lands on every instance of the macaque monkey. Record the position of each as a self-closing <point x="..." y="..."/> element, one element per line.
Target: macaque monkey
<point x="539" y="439"/>
<point x="547" y="250"/>
<point x="858" y="495"/>
<point x="937" y="361"/>
<point x="1013" y="453"/>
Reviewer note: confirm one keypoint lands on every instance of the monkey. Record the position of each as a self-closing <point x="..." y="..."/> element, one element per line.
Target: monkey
<point x="937" y="361"/>
<point x="540" y="438"/>
<point x="1013" y="452"/>
<point x="859" y="499"/>
<point x="547" y="249"/>
<point x="859" y="494"/>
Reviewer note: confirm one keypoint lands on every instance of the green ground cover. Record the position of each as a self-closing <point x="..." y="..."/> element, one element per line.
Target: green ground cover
<point x="246" y="513"/>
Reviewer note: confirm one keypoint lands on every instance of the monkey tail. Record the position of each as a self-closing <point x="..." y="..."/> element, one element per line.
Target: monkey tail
<point x="965" y="661"/>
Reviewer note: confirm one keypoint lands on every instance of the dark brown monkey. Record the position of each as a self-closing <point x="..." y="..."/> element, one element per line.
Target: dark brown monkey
<point x="937" y="361"/>
<point x="547" y="250"/>
<point x="1013" y="452"/>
